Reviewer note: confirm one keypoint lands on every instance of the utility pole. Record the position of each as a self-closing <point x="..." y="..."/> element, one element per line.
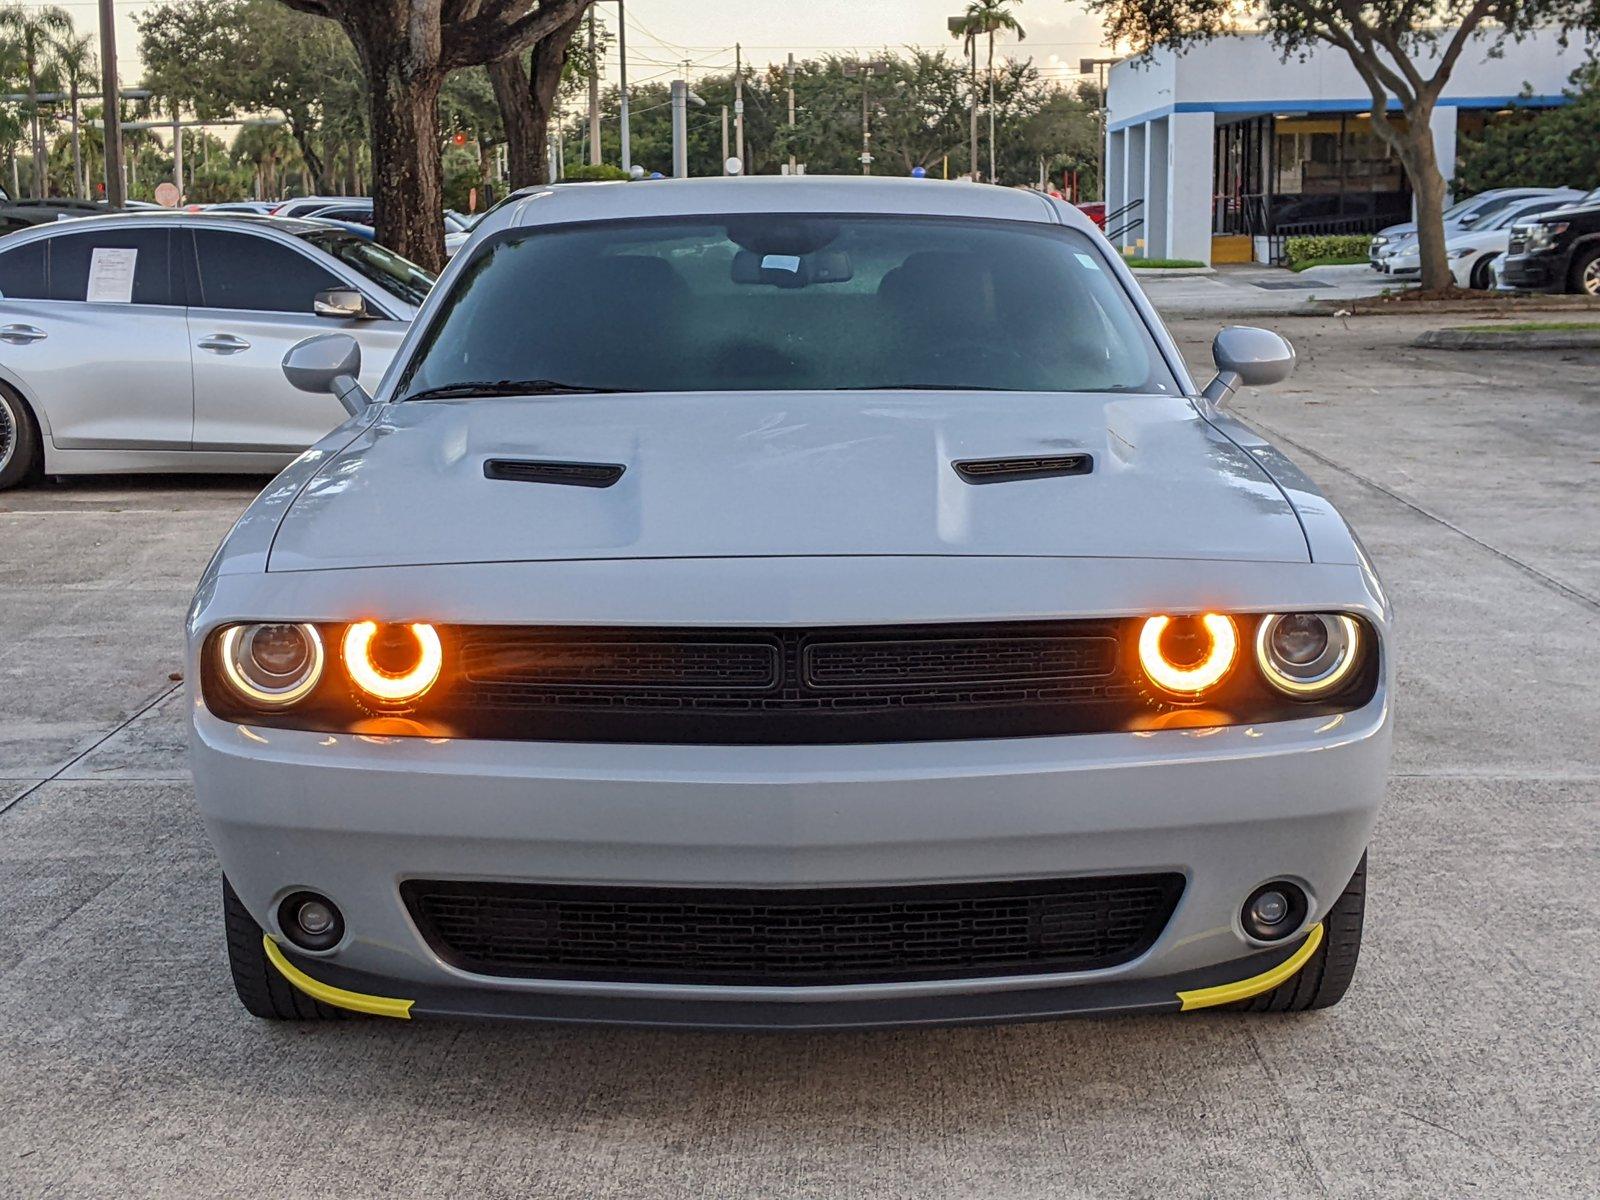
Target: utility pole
<point x="1098" y="66"/>
<point x="724" y="139"/>
<point x="112" y="101"/>
<point x="866" y="69"/>
<point x="594" y="97"/>
<point x="738" y="103"/>
<point x="789" y="71"/>
<point x="622" y="87"/>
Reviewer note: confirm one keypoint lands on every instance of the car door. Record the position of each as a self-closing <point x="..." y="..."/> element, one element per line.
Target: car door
<point x="253" y="302"/>
<point x="93" y="332"/>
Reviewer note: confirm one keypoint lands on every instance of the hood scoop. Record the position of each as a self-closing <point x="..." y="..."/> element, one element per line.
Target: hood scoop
<point x="570" y="474"/>
<point x="1033" y="466"/>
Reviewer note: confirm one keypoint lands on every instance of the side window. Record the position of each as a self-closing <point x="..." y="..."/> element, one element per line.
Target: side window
<point x="243" y="271"/>
<point x="72" y="254"/>
<point x="22" y="273"/>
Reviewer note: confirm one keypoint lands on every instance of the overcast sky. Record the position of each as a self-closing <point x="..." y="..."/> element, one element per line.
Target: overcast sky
<point x="661" y="33"/>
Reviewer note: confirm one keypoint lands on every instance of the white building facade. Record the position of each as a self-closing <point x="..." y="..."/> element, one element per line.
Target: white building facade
<point x="1218" y="154"/>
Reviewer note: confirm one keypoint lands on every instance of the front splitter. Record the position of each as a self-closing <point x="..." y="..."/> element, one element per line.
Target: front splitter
<point x="1207" y="988"/>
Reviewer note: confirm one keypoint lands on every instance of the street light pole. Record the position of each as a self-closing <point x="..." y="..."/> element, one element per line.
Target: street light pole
<point x="1098" y="67"/>
<point x="622" y="86"/>
<point x="112" y="102"/>
<point x="738" y="103"/>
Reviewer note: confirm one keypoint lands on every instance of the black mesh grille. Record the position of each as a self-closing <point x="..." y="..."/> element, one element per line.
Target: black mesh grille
<point x="791" y="685"/>
<point x="792" y="937"/>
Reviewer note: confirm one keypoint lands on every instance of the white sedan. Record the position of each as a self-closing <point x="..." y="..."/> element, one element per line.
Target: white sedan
<point x="789" y="602"/>
<point x="1472" y="252"/>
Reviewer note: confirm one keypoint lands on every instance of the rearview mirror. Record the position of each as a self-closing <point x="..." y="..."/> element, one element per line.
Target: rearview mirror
<point x="342" y="304"/>
<point x="328" y="363"/>
<point x="1247" y="357"/>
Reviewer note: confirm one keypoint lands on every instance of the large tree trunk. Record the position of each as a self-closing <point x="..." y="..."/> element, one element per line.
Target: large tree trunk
<point x="407" y="172"/>
<point x="525" y="137"/>
<point x="1428" y="190"/>
<point x="526" y="100"/>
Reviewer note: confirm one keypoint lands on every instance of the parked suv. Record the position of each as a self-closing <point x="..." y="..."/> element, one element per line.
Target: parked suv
<point x="1558" y="252"/>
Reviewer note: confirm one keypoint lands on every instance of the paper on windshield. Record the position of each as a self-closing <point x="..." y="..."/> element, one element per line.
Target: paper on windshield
<point x="111" y="275"/>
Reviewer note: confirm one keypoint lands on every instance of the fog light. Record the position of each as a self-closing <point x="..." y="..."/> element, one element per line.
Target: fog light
<point x="1273" y="911"/>
<point x="310" y="921"/>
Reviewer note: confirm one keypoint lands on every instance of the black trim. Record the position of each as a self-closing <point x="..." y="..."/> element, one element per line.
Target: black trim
<point x="572" y="474"/>
<point x="1038" y="466"/>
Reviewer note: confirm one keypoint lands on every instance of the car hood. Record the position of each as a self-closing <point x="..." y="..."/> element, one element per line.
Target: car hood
<point x="786" y="473"/>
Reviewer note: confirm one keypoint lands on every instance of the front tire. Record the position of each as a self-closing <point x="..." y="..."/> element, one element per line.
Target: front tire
<point x="264" y="992"/>
<point x="19" y="441"/>
<point x="1323" y="981"/>
<point x="1482" y="277"/>
<point x="1586" y="272"/>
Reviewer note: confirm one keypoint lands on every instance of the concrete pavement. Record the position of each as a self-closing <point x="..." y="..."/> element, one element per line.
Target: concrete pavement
<point x="1463" y="1061"/>
<point x="1255" y="290"/>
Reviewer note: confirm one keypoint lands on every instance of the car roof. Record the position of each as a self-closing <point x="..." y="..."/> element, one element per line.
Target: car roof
<point x="780" y="194"/>
<point x="142" y="217"/>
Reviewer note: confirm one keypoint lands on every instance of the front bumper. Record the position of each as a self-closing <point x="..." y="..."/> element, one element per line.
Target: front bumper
<point x="1228" y="808"/>
<point x="1535" y="272"/>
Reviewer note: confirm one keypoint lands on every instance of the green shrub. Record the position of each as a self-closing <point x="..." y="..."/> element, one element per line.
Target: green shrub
<point x="591" y="173"/>
<point x="1312" y="249"/>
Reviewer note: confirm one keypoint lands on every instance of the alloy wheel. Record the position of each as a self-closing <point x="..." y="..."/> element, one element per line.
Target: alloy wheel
<point x="1589" y="282"/>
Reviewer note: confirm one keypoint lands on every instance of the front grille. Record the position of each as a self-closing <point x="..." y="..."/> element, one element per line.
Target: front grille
<point x="859" y="684"/>
<point x="1516" y="244"/>
<point x="792" y="937"/>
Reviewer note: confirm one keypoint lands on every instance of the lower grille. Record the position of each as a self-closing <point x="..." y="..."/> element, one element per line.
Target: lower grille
<point x="792" y="937"/>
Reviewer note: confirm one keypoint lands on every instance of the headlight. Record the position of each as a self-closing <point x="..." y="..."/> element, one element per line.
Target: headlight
<point x="271" y="666"/>
<point x="1542" y="235"/>
<point x="1459" y="253"/>
<point x="1187" y="656"/>
<point x="392" y="664"/>
<point x="1379" y="242"/>
<point x="1307" y="654"/>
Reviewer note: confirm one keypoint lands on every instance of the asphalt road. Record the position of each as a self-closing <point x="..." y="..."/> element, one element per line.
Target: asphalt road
<point x="1462" y="1063"/>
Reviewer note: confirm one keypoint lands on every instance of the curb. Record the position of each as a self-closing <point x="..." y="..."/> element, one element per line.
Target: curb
<point x="1489" y="339"/>
<point x="1169" y="272"/>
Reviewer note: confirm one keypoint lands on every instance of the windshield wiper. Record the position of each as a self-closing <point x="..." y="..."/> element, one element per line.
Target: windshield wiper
<point x="508" y="387"/>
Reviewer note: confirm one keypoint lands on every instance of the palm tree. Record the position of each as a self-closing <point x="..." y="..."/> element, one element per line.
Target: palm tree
<point x="988" y="17"/>
<point x="75" y="59"/>
<point x="34" y="32"/>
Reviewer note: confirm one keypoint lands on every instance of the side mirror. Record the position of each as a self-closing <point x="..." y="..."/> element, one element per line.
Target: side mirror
<point x="1247" y="357"/>
<point x="341" y="304"/>
<point x="328" y="363"/>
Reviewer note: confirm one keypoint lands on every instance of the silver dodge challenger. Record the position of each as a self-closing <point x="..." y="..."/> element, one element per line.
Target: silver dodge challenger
<point x="789" y="603"/>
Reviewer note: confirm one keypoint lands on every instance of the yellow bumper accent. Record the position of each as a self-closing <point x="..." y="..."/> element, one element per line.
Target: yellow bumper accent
<point x="1227" y="993"/>
<point x="377" y="1006"/>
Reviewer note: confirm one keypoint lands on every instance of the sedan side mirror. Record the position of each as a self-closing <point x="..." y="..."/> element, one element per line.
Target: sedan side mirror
<point x="341" y="304"/>
<point x="1247" y="357"/>
<point x="328" y="363"/>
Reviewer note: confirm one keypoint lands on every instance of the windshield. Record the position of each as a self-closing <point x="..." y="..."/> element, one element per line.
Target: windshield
<point x="398" y="276"/>
<point x="770" y="302"/>
<point x="1485" y="208"/>
<point x="1523" y="213"/>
